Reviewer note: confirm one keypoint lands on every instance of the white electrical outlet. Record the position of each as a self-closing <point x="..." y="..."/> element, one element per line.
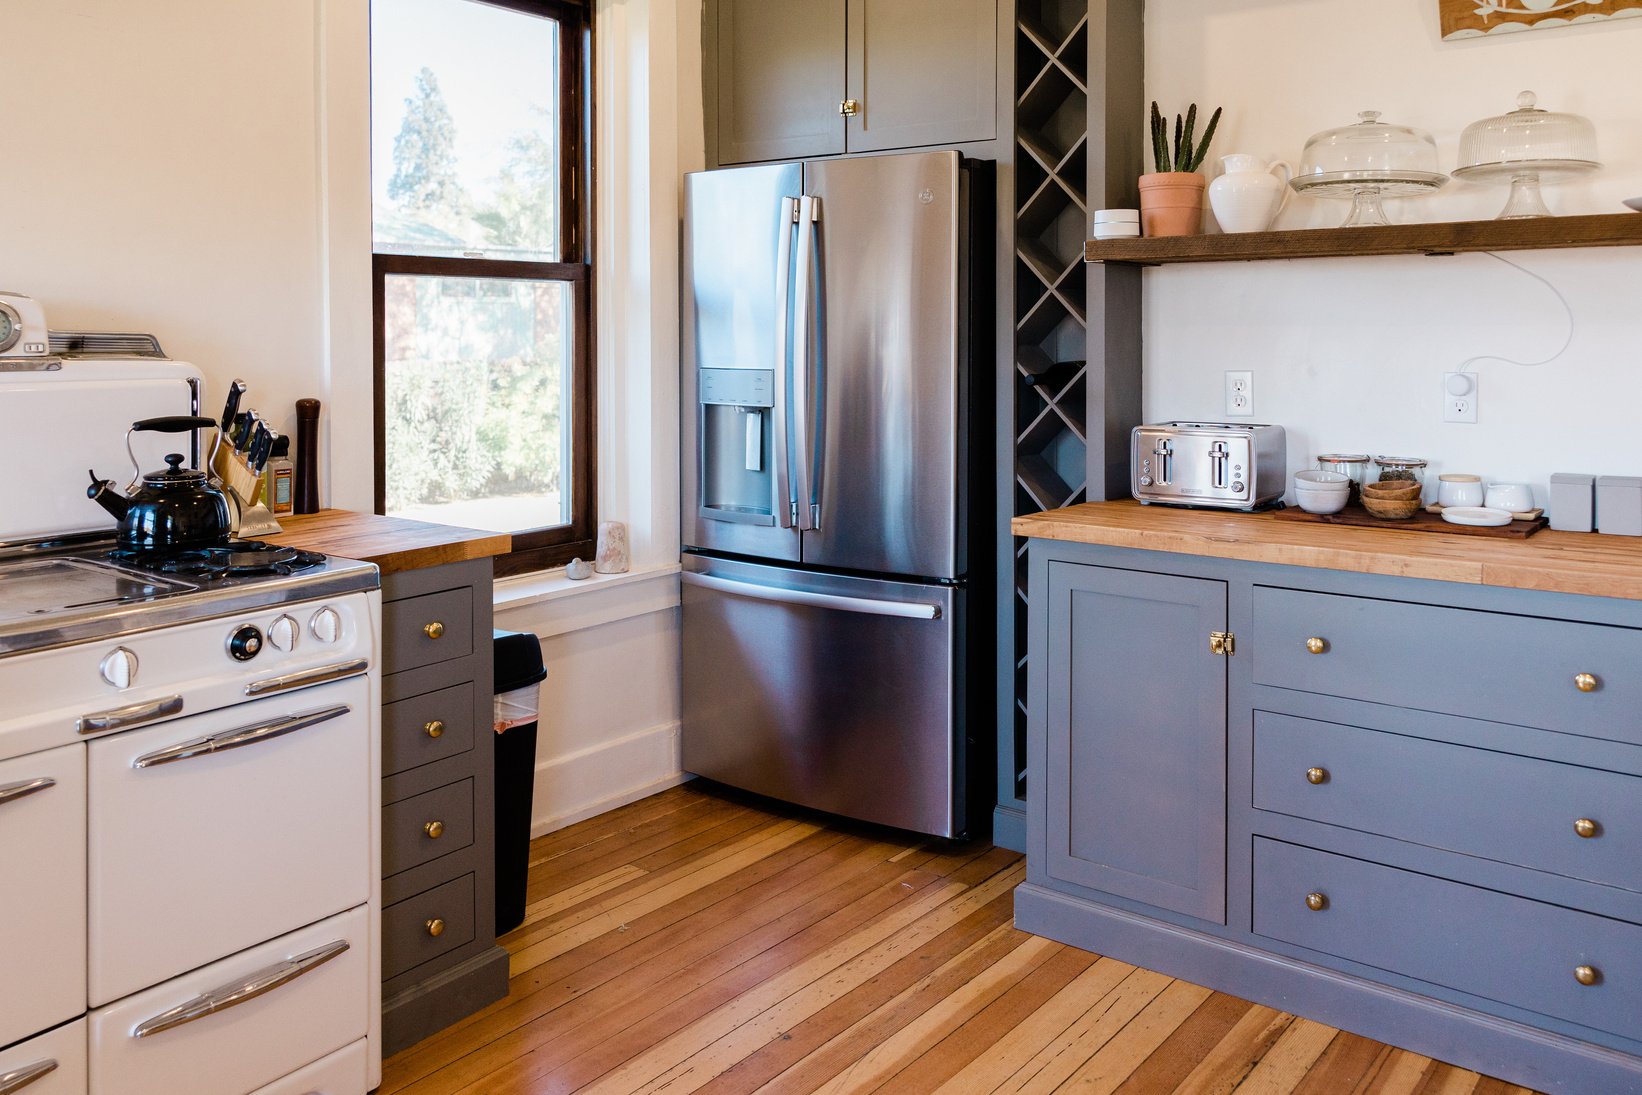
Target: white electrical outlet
<point x="1459" y="397"/>
<point x="1239" y="393"/>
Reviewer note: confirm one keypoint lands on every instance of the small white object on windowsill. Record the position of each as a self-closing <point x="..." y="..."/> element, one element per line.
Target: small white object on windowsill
<point x="578" y="569"/>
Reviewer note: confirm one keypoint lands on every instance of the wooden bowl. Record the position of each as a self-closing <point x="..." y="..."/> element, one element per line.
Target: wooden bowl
<point x="1392" y="509"/>
<point x="1395" y="489"/>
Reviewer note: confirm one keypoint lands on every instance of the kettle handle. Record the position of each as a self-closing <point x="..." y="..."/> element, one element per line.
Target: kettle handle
<point x="170" y="423"/>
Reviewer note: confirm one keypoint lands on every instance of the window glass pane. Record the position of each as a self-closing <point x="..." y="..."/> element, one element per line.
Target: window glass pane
<point x="476" y="387"/>
<point x="464" y="130"/>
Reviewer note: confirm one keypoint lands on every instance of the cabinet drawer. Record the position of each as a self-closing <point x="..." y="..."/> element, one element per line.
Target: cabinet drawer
<point x="1489" y="665"/>
<point x="426" y="826"/>
<point x="419" y="730"/>
<point x="57" y="1060"/>
<point x="434" y="627"/>
<point x="408" y="926"/>
<point x="345" y="1072"/>
<point x="1499" y="806"/>
<point x="1493" y="945"/>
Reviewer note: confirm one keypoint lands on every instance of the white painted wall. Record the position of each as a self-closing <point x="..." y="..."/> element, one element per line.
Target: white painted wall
<point x="1348" y="353"/>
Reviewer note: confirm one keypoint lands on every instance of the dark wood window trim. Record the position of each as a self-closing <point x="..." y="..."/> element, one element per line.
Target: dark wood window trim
<point x="536" y="549"/>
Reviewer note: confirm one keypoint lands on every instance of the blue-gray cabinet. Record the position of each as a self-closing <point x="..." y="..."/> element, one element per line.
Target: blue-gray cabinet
<point x="1407" y="808"/>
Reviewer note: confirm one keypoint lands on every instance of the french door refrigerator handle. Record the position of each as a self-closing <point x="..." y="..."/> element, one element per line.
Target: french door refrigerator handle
<point x="786" y="509"/>
<point x="809" y="212"/>
<point x="910" y="610"/>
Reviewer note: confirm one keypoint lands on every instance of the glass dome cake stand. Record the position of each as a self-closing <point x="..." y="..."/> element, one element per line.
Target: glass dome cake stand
<point x="1369" y="162"/>
<point x="1527" y="147"/>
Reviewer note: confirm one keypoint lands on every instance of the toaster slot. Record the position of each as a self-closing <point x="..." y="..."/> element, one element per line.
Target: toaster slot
<point x="1219" y="457"/>
<point x="1163" y="458"/>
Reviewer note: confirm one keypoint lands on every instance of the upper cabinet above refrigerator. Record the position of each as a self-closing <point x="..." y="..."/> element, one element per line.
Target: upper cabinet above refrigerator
<point x="800" y="78"/>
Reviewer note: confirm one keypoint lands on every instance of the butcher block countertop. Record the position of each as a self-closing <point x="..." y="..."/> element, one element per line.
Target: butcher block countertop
<point x="392" y="543"/>
<point x="1559" y="562"/>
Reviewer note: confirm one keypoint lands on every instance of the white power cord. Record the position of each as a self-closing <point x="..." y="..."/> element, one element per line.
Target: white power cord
<point x="1566" y="307"/>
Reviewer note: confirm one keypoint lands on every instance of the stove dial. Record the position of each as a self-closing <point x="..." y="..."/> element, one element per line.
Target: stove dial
<point x="245" y="643"/>
<point x="283" y="633"/>
<point x="326" y="625"/>
<point x="120" y="667"/>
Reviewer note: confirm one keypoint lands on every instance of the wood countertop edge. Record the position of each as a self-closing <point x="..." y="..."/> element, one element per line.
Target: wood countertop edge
<point x="1390" y="552"/>
<point x="394" y="544"/>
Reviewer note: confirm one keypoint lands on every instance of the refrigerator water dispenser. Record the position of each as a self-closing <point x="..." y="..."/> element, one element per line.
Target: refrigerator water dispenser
<point x="737" y="483"/>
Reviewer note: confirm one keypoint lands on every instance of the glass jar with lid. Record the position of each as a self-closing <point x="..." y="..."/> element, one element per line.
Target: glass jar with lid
<point x="1401" y="469"/>
<point x="1367" y="162"/>
<point x="1353" y="464"/>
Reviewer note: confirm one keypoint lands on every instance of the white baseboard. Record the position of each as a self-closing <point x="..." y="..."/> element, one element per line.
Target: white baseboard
<point x="581" y="785"/>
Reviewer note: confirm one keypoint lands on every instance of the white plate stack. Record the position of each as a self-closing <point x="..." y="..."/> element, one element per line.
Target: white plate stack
<point x="1117" y="224"/>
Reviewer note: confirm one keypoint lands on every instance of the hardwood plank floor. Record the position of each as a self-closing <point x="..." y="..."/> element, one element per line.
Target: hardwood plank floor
<point x="697" y="942"/>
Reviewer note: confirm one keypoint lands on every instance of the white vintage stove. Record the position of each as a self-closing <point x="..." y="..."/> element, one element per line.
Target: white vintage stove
<point x="188" y="776"/>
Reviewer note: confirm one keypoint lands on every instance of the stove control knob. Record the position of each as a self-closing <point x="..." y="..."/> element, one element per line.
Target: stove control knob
<point x="120" y="667"/>
<point x="326" y="625"/>
<point x="283" y="633"/>
<point x="245" y="643"/>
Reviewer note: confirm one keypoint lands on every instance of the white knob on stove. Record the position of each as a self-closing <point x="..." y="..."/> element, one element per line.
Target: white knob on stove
<point x="120" y="667"/>
<point x="284" y="632"/>
<point x="326" y="625"/>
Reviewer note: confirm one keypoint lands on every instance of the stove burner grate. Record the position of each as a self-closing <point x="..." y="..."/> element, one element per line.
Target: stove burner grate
<point x="236" y="559"/>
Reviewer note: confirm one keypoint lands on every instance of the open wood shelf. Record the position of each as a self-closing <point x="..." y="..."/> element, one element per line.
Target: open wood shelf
<point x="1447" y="238"/>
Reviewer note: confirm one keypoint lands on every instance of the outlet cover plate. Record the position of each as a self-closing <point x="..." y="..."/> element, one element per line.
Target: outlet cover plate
<point x="1239" y="393"/>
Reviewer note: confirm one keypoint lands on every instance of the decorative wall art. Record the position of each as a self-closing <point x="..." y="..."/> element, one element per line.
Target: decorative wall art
<point x="1474" y="18"/>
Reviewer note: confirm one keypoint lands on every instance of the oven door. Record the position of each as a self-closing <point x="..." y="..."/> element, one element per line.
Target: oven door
<point x="212" y="833"/>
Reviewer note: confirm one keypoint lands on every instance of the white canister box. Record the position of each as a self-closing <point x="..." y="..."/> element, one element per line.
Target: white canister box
<point x="1619" y="505"/>
<point x="1573" y="502"/>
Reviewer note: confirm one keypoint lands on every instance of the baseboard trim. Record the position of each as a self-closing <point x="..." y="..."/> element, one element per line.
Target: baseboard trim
<point x="1009" y="828"/>
<point x="601" y="777"/>
<point x="1484" y="1043"/>
<point x="543" y="826"/>
<point x="434" y="1004"/>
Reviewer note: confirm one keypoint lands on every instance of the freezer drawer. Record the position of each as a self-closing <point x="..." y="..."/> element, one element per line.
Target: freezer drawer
<point x="832" y="692"/>
<point x="52" y="1064"/>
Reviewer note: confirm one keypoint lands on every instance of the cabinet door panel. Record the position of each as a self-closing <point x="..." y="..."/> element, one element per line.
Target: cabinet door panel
<point x="1137" y="737"/>
<point x="780" y="72"/>
<point x="924" y="72"/>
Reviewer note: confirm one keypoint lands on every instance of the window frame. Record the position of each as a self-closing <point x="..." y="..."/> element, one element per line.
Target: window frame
<point x="542" y="548"/>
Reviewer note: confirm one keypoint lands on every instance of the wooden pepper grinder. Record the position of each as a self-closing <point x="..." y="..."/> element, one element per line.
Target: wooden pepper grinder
<point x="305" y="496"/>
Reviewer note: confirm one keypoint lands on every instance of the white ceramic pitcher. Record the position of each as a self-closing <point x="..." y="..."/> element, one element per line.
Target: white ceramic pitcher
<point x="1248" y="197"/>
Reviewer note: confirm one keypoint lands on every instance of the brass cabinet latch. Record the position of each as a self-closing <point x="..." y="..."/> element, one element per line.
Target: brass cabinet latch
<point x="1223" y="643"/>
<point x="849" y="108"/>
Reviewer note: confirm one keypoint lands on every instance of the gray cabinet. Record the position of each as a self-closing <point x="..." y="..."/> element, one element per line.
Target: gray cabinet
<point x="1136" y="737"/>
<point x="1405" y="808"/>
<point x="791" y="79"/>
<point x="440" y="960"/>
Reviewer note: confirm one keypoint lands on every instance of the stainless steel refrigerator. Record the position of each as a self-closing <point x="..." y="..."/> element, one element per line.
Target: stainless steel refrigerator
<point x="829" y="413"/>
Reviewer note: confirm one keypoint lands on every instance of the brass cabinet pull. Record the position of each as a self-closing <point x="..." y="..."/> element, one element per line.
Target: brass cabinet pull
<point x="1316" y="775"/>
<point x="436" y="927"/>
<point x="435" y="630"/>
<point x="849" y="108"/>
<point x="434" y="728"/>
<point x="1316" y="645"/>
<point x="1585" y="682"/>
<point x="1587" y="975"/>
<point x="434" y="829"/>
<point x="1586" y="828"/>
<point x="1316" y="902"/>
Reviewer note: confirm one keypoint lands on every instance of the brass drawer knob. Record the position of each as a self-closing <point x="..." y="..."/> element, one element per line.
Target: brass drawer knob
<point x="434" y="728"/>
<point x="435" y="630"/>
<point x="1316" y="902"/>
<point x="1316" y="775"/>
<point x="1585" y="682"/>
<point x="434" y="829"/>
<point x="1316" y="645"/>
<point x="436" y="927"/>
<point x="1587" y="975"/>
<point x="1586" y="828"/>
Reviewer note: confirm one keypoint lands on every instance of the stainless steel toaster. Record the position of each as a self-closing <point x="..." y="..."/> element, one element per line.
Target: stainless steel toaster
<point x="1223" y="464"/>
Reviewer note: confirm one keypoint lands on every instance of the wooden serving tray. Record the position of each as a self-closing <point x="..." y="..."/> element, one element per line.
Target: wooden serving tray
<point x="1422" y="521"/>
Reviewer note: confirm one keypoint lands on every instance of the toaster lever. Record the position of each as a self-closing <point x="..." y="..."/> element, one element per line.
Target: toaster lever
<point x="1164" y="451"/>
<point x="1219" y="454"/>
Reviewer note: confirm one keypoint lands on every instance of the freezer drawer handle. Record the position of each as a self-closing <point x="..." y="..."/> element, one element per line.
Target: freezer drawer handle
<point x="905" y="609"/>
<point x="221" y="999"/>
<point x="122" y="718"/>
<point x="239" y="739"/>
<point x="19" y="1078"/>
<point x="11" y="792"/>
<point x="306" y="677"/>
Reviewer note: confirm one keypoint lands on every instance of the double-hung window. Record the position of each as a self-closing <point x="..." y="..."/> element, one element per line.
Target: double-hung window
<point x="483" y="295"/>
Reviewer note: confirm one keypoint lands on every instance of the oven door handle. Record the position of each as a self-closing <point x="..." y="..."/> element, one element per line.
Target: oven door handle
<point x="239" y="739"/>
<point x="123" y="718"/>
<point x="269" y="685"/>
<point x="19" y="1078"/>
<point x="11" y="792"/>
<point x="263" y="981"/>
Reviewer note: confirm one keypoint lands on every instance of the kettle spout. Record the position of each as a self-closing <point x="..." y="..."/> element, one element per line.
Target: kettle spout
<point x="103" y="493"/>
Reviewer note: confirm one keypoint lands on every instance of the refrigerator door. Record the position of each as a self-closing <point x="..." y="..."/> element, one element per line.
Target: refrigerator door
<point x="831" y="692"/>
<point x="736" y="452"/>
<point x="883" y="364"/>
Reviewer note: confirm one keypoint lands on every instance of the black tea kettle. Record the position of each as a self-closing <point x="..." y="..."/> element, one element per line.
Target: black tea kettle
<point x="176" y="509"/>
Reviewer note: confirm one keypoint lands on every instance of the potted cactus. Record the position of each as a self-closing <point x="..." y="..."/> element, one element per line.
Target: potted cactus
<point x="1171" y="198"/>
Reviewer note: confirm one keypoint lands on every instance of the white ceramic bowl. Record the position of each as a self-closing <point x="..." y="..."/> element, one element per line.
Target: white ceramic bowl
<point x="1313" y="501"/>
<point x="1315" y="479"/>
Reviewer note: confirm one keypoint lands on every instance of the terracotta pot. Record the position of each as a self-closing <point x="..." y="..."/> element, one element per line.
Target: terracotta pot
<point x="1171" y="203"/>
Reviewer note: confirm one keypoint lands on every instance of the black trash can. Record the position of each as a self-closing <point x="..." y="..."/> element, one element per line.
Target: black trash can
<point x="518" y="674"/>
